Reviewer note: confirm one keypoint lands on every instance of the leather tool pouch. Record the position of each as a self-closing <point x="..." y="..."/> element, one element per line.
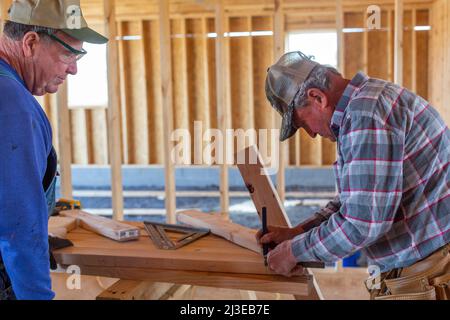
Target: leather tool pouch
<point x="428" y="279"/>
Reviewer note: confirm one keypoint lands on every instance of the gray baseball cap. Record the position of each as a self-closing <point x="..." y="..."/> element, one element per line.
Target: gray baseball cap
<point x="64" y="15"/>
<point x="283" y="82"/>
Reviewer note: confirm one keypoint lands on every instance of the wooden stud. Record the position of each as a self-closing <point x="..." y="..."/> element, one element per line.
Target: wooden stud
<point x="78" y="131"/>
<point x="180" y="74"/>
<point x="261" y="188"/>
<point x="113" y="111"/>
<point x="153" y="82"/>
<point x="414" y="52"/>
<point x="365" y="53"/>
<point x="65" y="142"/>
<point x="390" y="48"/>
<point x="4" y="7"/>
<point x="167" y="102"/>
<point x="135" y="290"/>
<point x="279" y="44"/>
<point x="340" y="36"/>
<point x="123" y="94"/>
<point x="398" y="44"/>
<point x="223" y="114"/>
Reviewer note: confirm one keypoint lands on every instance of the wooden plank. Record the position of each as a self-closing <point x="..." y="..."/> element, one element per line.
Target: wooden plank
<point x="241" y="87"/>
<point x="79" y="136"/>
<point x="113" y="111"/>
<point x="390" y="46"/>
<point x="261" y="188"/>
<point x="240" y="235"/>
<point x="398" y="43"/>
<point x="4" y="7"/>
<point x="262" y="58"/>
<point x="422" y="60"/>
<point x="180" y="74"/>
<point x="135" y="290"/>
<point x="414" y="52"/>
<point x="153" y="82"/>
<point x="60" y="226"/>
<point x="137" y="119"/>
<point x="123" y="94"/>
<point x="167" y="102"/>
<point x="407" y="49"/>
<point x="65" y="142"/>
<point x="98" y="130"/>
<point x="278" y="51"/>
<point x="280" y="284"/>
<point x="210" y="254"/>
<point x="106" y="227"/>
<point x="223" y="106"/>
<point x="340" y="36"/>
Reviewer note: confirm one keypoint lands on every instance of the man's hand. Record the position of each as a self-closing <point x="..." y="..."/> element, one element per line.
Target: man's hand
<point x="277" y="235"/>
<point x="282" y="261"/>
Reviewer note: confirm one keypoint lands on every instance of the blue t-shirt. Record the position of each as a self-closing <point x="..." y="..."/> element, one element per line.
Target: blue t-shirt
<point x="25" y="143"/>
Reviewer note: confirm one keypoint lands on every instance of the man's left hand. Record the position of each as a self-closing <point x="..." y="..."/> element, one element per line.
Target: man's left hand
<point x="282" y="261"/>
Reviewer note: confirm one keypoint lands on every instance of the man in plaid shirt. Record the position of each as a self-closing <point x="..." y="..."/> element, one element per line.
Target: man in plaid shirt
<point x="392" y="170"/>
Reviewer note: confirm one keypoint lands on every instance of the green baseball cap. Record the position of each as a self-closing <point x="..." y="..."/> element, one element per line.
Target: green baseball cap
<point x="64" y="15"/>
<point x="283" y="82"/>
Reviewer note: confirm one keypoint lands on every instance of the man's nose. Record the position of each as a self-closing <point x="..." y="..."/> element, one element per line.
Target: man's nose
<point x="72" y="69"/>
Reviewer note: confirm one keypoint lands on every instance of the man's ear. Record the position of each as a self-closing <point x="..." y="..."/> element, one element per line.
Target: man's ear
<point x="29" y="43"/>
<point x="318" y="97"/>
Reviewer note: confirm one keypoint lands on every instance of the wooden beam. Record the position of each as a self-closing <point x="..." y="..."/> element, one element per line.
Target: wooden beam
<point x="340" y="36"/>
<point x="136" y="290"/>
<point x="261" y="188"/>
<point x="398" y="43"/>
<point x="414" y="52"/>
<point x="223" y="111"/>
<point x="4" y="7"/>
<point x="106" y="227"/>
<point x="240" y="235"/>
<point x="279" y="43"/>
<point x="390" y="50"/>
<point x="299" y="285"/>
<point x="123" y="93"/>
<point x="65" y="142"/>
<point x="113" y="111"/>
<point x="167" y="102"/>
<point x="365" y="53"/>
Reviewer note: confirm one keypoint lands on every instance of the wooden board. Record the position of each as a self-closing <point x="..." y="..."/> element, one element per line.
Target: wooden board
<point x="106" y="227"/>
<point x="240" y="235"/>
<point x="209" y="261"/>
<point x="209" y="254"/>
<point x="60" y="226"/>
<point x="261" y="188"/>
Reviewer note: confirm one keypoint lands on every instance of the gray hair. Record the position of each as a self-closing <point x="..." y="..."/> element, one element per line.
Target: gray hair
<point x="319" y="78"/>
<point x="16" y="31"/>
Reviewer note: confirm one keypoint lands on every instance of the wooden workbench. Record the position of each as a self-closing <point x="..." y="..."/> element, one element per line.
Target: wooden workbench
<point x="210" y="261"/>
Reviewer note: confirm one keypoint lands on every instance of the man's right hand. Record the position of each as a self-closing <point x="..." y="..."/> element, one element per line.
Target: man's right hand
<point x="277" y="234"/>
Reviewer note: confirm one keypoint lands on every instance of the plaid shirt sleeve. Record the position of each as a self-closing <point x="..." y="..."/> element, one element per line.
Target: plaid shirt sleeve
<point x="322" y="215"/>
<point x="369" y="174"/>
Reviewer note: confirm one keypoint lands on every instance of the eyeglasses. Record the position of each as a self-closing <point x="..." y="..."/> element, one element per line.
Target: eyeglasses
<point x="74" y="54"/>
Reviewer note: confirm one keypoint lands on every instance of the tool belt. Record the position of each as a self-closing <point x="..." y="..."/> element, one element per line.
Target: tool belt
<point x="428" y="279"/>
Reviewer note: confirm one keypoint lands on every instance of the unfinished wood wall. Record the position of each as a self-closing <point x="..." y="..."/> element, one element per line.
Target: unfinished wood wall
<point x="194" y="87"/>
<point x="439" y="76"/>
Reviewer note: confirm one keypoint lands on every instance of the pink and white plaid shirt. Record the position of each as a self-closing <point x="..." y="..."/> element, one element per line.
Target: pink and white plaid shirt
<point x="393" y="178"/>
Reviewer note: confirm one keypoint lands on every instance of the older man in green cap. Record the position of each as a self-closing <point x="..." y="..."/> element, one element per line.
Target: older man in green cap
<point x="41" y="44"/>
<point x="392" y="173"/>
